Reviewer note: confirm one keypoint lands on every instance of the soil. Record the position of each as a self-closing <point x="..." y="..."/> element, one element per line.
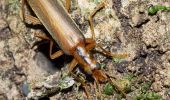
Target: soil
<point x="121" y="27"/>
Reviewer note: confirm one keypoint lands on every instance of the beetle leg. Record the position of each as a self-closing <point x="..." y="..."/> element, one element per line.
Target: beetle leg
<point x="114" y="83"/>
<point x="86" y="91"/>
<point x="109" y="54"/>
<point x="56" y="54"/>
<point x="33" y="20"/>
<point x="30" y="18"/>
<point x="22" y="11"/>
<point x="68" y="4"/>
<point x="97" y="75"/>
<point x="99" y="7"/>
<point x="97" y="87"/>
<point x="93" y="34"/>
<point x="41" y="35"/>
<point x="83" y="84"/>
<point x="92" y="44"/>
<point x="72" y="65"/>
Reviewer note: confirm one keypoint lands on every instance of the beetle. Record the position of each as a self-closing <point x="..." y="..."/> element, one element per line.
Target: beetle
<point x="65" y="32"/>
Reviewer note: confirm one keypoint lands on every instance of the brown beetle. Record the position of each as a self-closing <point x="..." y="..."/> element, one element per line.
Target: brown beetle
<point x="68" y="36"/>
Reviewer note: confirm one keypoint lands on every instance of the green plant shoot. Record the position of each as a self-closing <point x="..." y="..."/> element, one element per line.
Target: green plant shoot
<point x="154" y="9"/>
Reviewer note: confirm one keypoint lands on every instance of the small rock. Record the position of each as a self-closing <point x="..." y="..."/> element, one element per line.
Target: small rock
<point x="14" y="93"/>
<point x="125" y="3"/>
<point x="16" y="24"/>
<point x="156" y="86"/>
<point x="166" y="82"/>
<point x="135" y="19"/>
<point x="18" y="79"/>
<point x="25" y="88"/>
<point x="3" y="4"/>
<point x="138" y="20"/>
<point x="3" y="24"/>
<point x="4" y="30"/>
<point x="2" y="97"/>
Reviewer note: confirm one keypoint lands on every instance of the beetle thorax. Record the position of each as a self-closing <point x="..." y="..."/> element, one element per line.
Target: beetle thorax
<point x="83" y="57"/>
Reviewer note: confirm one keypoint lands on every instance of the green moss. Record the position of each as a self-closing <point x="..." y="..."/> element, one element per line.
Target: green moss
<point x="95" y="1"/>
<point x="148" y="96"/>
<point x="14" y="6"/>
<point x="145" y="87"/>
<point x="117" y="60"/>
<point x="108" y="89"/>
<point x="130" y="77"/>
<point x="102" y="66"/>
<point x="154" y="9"/>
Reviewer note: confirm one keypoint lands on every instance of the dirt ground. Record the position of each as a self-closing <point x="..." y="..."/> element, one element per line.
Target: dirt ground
<point x="121" y="27"/>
